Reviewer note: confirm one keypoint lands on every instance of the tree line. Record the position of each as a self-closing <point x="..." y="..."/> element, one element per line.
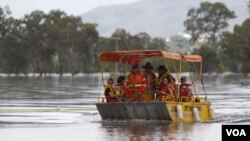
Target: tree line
<point x="222" y="50"/>
<point x="60" y="43"/>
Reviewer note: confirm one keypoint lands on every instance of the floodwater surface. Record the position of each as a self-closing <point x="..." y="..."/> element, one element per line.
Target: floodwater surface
<point x="53" y="108"/>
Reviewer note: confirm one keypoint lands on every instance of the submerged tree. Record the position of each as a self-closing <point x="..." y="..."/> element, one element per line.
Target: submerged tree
<point x="208" y="21"/>
<point x="72" y="39"/>
<point x="36" y="41"/>
<point x="13" y="51"/>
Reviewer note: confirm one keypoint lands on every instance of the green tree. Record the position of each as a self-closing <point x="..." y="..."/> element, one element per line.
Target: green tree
<point x="211" y="62"/>
<point x="236" y="46"/>
<point x="5" y="21"/>
<point x="88" y="47"/>
<point x="74" y="41"/>
<point x="144" y="40"/>
<point x="121" y="39"/>
<point x="36" y="40"/>
<point x="158" y="43"/>
<point x="208" y="21"/>
<point x="58" y="37"/>
<point x="13" y="51"/>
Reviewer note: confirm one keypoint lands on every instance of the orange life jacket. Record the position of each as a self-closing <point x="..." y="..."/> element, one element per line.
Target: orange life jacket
<point x="136" y="81"/>
<point x="160" y="80"/>
<point x="164" y="94"/>
<point x="184" y="90"/>
<point x="136" y="84"/>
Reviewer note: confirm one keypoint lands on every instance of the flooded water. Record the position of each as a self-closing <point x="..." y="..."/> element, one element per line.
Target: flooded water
<point x="54" y="108"/>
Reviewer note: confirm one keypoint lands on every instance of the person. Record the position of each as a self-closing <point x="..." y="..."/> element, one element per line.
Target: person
<point x="120" y="87"/>
<point x="163" y="72"/>
<point x="150" y="80"/>
<point x="109" y="91"/>
<point x="185" y="90"/>
<point x="135" y="84"/>
<point x="165" y="93"/>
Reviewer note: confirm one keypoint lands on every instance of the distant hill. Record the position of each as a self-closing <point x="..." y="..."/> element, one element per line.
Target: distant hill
<point x="162" y="18"/>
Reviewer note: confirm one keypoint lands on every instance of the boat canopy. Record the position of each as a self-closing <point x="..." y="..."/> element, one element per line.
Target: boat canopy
<point x="136" y="56"/>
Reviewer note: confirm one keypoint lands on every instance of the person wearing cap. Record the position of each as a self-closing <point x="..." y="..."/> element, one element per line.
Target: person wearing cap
<point x="163" y="72"/>
<point x="185" y="90"/>
<point x="136" y="84"/>
<point x="150" y="80"/>
<point x="109" y="91"/>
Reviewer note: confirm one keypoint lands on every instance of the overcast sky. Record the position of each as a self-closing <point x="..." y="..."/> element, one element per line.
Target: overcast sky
<point x="74" y="7"/>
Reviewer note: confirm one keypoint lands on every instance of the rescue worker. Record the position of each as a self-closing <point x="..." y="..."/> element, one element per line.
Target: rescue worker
<point x="136" y="84"/>
<point x="150" y="80"/>
<point x="165" y="92"/>
<point x="163" y="72"/>
<point x="120" y="88"/>
<point x="109" y="91"/>
<point x="185" y="90"/>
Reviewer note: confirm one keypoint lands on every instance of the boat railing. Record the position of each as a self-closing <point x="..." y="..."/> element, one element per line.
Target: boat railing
<point x="186" y="99"/>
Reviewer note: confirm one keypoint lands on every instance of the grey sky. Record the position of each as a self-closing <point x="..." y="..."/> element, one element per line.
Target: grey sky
<point x="76" y="7"/>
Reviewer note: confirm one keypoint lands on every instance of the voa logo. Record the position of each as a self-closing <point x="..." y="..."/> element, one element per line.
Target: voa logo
<point x="236" y="132"/>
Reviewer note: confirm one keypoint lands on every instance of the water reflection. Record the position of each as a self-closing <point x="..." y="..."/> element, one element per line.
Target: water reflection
<point x="141" y="131"/>
<point x="48" y="91"/>
<point x="67" y="105"/>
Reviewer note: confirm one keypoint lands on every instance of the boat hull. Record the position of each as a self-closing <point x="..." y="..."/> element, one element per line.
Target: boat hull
<point x="134" y="110"/>
<point x="166" y="111"/>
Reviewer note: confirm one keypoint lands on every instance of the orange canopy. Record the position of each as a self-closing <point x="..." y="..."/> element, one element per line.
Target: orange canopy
<point x="136" y="56"/>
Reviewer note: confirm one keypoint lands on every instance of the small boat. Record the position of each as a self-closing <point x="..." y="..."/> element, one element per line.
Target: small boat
<point x="197" y="109"/>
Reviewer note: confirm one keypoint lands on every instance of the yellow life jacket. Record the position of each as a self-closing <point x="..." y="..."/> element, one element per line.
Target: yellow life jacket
<point x="111" y="89"/>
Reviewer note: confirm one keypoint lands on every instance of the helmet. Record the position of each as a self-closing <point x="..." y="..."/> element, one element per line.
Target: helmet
<point x="110" y="80"/>
<point x="183" y="78"/>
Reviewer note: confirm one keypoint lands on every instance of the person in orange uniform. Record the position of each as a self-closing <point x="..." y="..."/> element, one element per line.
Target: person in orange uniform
<point x="162" y="72"/>
<point x="109" y="91"/>
<point x="136" y="84"/>
<point x="150" y="79"/>
<point x="185" y="90"/>
<point x="165" y="92"/>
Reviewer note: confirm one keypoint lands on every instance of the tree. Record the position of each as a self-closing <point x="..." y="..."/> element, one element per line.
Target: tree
<point x="236" y="46"/>
<point x="13" y="51"/>
<point x="122" y="37"/>
<point x="158" y="44"/>
<point x="211" y="60"/>
<point x="88" y="47"/>
<point x="181" y="44"/>
<point x="144" y="40"/>
<point x="208" y="21"/>
<point x="74" y="41"/>
<point x="5" y="21"/>
<point x="36" y="40"/>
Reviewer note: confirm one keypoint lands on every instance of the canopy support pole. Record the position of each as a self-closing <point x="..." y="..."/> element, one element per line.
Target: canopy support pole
<point x="191" y="78"/>
<point x="102" y="83"/>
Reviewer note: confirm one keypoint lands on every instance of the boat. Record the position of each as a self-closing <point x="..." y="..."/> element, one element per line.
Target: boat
<point x="199" y="109"/>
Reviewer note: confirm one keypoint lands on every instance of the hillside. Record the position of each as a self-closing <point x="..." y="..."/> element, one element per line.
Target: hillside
<point x="157" y="17"/>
